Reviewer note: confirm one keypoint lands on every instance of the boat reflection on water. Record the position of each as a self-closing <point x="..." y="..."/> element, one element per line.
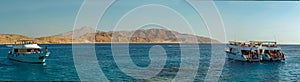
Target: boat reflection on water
<point x="252" y="71"/>
<point x="19" y="71"/>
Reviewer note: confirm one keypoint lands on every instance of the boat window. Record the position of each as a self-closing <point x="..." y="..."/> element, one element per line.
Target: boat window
<point x="266" y="51"/>
<point x="245" y="52"/>
<point x="16" y="50"/>
<point x="20" y="50"/>
<point x="30" y="50"/>
<point x="234" y="50"/>
<point x="37" y="50"/>
<point x="34" y="50"/>
<point x="27" y="50"/>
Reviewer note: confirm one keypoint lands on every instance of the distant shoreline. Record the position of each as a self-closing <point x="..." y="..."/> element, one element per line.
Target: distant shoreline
<point x="142" y="36"/>
<point x="134" y="43"/>
<point x="126" y="43"/>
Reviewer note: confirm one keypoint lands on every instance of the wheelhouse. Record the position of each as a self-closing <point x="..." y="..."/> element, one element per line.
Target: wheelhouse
<point x="27" y="50"/>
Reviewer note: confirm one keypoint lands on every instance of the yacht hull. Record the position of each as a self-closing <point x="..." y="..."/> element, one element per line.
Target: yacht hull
<point x="240" y="57"/>
<point x="29" y="58"/>
<point x="268" y="58"/>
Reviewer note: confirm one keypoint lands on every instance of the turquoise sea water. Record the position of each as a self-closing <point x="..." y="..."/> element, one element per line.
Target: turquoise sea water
<point x="60" y="66"/>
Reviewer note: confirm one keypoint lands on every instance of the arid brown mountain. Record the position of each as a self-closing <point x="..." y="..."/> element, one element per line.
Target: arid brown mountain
<point x="83" y="30"/>
<point x="53" y="40"/>
<point x="11" y="38"/>
<point x="91" y="36"/>
<point x="147" y="36"/>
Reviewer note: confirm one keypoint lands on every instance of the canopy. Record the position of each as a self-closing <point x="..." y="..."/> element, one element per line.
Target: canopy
<point x="236" y="41"/>
<point x="28" y="46"/>
<point x="262" y="41"/>
<point x="25" y="42"/>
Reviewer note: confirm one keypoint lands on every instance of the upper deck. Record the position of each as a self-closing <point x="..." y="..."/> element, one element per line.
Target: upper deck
<point x="272" y="45"/>
<point x="26" y="44"/>
<point x="20" y="42"/>
<point x="264" y="43"/>
<point x="235" y="42"/>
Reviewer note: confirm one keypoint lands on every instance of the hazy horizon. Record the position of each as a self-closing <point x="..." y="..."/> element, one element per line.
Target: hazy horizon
<point x="243" y="20"/>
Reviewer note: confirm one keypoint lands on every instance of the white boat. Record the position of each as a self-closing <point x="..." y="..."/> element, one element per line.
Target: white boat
<point x="270" y="50"/>
<point x="28" y="51"/>
<point x="254" y="51"/>
<point x="238" y="50"/>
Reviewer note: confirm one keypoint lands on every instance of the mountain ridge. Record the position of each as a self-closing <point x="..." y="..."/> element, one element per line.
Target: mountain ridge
<point x="90" y="35"/>
<point x="83" y="30"/>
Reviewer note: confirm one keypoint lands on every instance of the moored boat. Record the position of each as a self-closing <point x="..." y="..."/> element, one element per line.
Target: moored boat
<point x="28" y="51"/>
<point x="270" y="51"/>
<point x="254" y="51"/>
<point x="239" y="50"/>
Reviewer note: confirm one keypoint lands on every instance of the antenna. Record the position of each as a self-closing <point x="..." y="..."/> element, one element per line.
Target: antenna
<point x="275" y="38"/>
<point x="234" y="36"/>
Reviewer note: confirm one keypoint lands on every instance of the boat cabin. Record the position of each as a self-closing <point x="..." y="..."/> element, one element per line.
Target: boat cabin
<point x="26" y="46"/>
<point x="27" y="50"/>
<point x="250" y="51"/>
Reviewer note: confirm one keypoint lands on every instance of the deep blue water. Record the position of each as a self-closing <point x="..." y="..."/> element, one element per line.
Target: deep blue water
<point x="60" y="66"/>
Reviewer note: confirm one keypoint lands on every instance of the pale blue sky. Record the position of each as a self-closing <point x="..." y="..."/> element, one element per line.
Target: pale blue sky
<point x="261" y="20"/>
<point x="243" y="20"/>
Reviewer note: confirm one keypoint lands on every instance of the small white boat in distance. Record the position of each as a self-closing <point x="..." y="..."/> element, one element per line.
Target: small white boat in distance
<point x="28" y="51"/>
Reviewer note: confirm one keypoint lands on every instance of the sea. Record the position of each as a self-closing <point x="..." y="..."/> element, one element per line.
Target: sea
<point x="164" y="60"/>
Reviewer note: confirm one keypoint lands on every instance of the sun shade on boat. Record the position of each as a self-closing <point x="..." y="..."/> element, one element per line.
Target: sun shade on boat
<point x="28" y="46"/>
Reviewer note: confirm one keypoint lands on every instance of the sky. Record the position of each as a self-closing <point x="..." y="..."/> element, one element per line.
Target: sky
<point x="243" y="20"/>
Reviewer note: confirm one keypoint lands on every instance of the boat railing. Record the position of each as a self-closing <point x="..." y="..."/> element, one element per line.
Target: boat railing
<point x="22" y="42"/>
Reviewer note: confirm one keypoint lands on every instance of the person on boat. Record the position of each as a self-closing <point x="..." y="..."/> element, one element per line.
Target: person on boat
<point x="283" y="56"/>
<point x="37" y="51"/>
<point x="243" y="44"/>
<point x="251" y="54"/>
<point x="274" y="45"/>
<point x="278" y="54"/>
<point x="274" y="53"/>
<point x="32" y="50"/>
<point x="270" y="54"/>
<point x="256" y="56"/>
<point x="46" y="49"/>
